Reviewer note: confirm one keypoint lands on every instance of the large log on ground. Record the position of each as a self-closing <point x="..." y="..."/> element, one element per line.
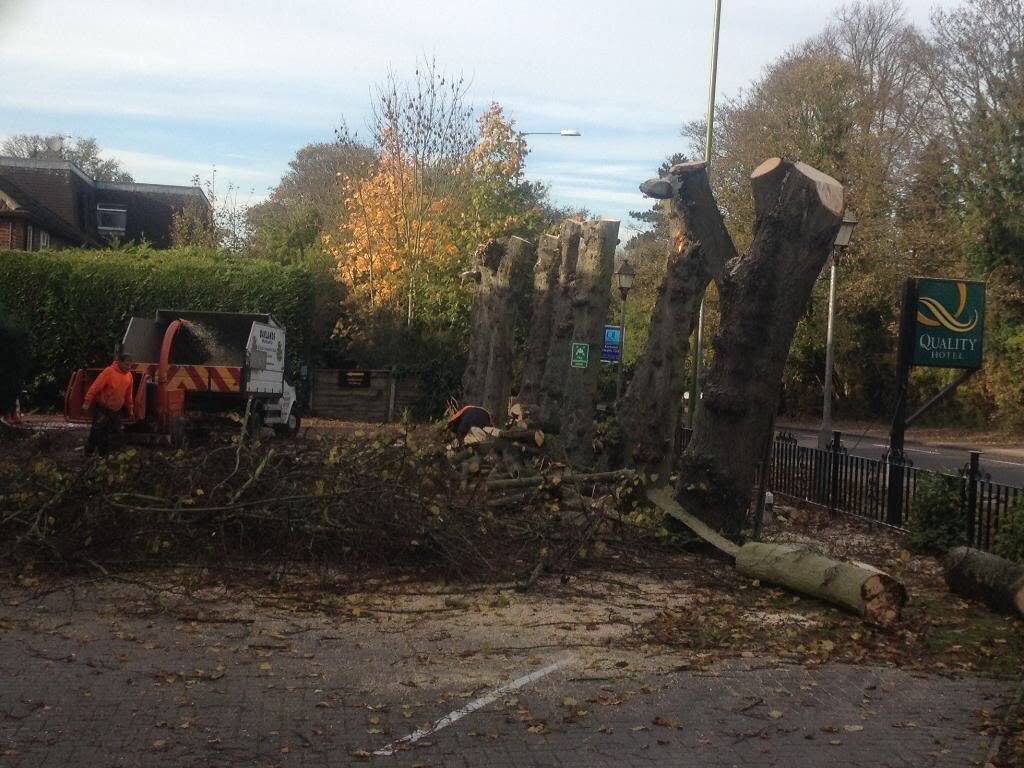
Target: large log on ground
<point x="556" y="358"/>
<point x="498" y="266"/>
<point x="858" y="587"/>
<point x="855" y="586"/>
<point x="763" y="295"/>
<point x="590" y="298"/>
<point x="700" y="247"/>
<point x="989" y="578"/>
<point x="545" y="287"/>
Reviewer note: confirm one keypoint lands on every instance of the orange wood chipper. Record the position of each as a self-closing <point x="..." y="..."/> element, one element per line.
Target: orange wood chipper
<point x="191" y="365"/>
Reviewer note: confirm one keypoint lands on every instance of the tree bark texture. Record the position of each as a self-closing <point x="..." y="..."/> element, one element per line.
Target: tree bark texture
<point x="855" y="586"/>
<point x="649" y="412"/>
<point x="488" y="377"/>
<point x="763" y="294"/>
<point x="556" y="358"/>
<point x="545" y="287"/>
<point x="989" y="578"/>
<point x="590" y="296"/>
<point x="858" y="587"/>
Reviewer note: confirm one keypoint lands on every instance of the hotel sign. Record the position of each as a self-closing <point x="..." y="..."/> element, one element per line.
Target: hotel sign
<point x="949" y="323"/>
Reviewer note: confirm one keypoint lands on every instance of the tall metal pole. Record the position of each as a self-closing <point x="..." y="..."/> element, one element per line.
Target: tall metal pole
<point x="826" y="406"/>
<point x="622" y="348"/>
<point x="698" y="347"/>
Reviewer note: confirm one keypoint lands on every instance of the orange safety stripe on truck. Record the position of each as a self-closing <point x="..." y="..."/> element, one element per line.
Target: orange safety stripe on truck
<point x="197" y="378"/>
<point x="224" y="378"/>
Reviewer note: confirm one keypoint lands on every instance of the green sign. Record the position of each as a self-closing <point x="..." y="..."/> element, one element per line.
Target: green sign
<point x="949" y="323"/>
<point x="580" y="355"/>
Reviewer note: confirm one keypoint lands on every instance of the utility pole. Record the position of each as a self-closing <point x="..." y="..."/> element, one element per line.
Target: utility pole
<point x="698" y="347"/>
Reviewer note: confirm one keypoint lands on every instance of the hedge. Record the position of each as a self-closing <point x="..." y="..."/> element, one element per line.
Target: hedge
<point x="76" y="303"/>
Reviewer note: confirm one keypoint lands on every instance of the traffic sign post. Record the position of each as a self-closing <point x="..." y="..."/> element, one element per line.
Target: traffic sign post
<point x="580" y="356"/>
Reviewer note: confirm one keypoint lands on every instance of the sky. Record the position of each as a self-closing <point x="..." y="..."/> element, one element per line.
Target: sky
<point x="173" y="89"/>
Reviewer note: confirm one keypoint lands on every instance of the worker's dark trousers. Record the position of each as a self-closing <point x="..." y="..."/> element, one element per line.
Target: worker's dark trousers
<point x="105" y="432"/>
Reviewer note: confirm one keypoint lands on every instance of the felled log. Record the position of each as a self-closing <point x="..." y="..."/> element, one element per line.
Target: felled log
<point x="997" y="582"/>
<point x="764" y="293"/>
<point x="566" y="479"/>
<point x="857" y="587"/>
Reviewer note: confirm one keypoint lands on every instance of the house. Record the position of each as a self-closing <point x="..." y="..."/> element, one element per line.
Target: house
<point x="51" y="203"/>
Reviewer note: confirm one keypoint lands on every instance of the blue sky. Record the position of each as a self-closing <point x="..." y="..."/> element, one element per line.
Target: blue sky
<point x="173" y="88"/>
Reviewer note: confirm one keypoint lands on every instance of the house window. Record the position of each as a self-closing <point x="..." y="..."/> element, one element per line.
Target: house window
<point x="111" y="219"/>
<point x="44" y="239"/>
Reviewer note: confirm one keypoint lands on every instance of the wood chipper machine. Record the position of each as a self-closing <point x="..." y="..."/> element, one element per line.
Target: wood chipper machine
<point x="191" y="366"/>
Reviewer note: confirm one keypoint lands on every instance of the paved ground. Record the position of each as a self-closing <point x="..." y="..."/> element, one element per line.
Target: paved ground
<point x="120" y="675"/>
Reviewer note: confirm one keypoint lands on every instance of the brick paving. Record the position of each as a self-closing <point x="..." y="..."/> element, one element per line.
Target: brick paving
<point x="103" y="678"/>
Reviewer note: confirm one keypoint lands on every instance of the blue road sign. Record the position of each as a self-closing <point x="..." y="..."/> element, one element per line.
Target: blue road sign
<point x="611" y="350"/>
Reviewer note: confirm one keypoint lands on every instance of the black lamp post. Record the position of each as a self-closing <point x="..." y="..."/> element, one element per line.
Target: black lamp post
<point x="624" y="279"/>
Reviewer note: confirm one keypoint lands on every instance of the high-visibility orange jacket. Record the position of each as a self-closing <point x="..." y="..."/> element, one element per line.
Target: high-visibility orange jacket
<point x="112" y="389"/>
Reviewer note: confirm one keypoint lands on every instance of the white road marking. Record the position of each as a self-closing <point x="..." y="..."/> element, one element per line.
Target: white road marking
<point x="473" y="706"/>
<point x="999" y="461"/>
<point x="922" y="450"/>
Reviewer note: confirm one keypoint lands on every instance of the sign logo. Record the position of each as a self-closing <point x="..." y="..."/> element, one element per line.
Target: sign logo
<point x="580" y="357"/>
<point x="949" y="323"/>
<point x="937" y="315"/>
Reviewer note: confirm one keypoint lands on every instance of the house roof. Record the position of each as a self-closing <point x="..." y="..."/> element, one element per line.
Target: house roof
<point x="29" y="207"/>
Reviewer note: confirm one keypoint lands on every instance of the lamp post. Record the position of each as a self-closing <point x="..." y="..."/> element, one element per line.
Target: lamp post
<point x="624" y="279"/>
<point x="698" y="346"/>
<point x="563" y="132"/>
<point x="841" y="243"/>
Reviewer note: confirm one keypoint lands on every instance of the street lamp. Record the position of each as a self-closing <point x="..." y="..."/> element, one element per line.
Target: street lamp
<point x="841" y="243"/>
<point x="624" y="279"/>
<point x="563" y="132"/>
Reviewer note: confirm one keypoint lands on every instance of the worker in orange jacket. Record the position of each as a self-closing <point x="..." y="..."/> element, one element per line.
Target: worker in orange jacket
<point x="108" y="396"/>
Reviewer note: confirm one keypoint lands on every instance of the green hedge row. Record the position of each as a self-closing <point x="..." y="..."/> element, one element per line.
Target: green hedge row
<point x="76" y="303"/>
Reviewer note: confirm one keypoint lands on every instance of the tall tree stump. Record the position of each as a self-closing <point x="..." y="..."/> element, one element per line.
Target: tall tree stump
<point x="763" y="294"/>
<point x="648" y="415"/>
<point x="590" y="298"/>
<point x="556" y="358"/>
<point x="545" y="287"/>
<point x="487" y="381"/>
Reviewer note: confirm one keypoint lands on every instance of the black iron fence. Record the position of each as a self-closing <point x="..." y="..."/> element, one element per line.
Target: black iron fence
<point x="883" y="489"/>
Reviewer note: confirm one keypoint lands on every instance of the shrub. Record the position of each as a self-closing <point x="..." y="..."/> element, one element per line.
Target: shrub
<point x="76" y="303"/>
<point x="1010" y="537"/>
<point x="15" y="359"/>
<point x="937" y="521"/>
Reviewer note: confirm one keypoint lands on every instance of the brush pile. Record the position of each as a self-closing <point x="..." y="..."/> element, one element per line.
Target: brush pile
<point x="498" y="508"/>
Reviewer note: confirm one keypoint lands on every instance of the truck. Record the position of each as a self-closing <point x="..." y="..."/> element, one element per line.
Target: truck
<point x="189" y="367"/>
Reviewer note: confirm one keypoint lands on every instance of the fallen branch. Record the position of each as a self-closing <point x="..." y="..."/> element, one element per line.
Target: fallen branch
<point x="986" y="577"/>
<point x="566" y="479"/>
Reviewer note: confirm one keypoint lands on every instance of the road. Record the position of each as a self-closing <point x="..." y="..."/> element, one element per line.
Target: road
<point x="1003" y="466"/>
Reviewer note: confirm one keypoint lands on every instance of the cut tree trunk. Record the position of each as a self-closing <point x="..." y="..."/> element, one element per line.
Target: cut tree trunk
<point x="590" y="297"/>
<point x="858" y="587"/>
<point x="989" y="578"/>
<point x="556" y="358"/>
<point x="649" y="412"/>
<point x="545" y="287"/>
<point x="855" y="586"/>
<point x="763" y="295"/>
<point x="488" y="377"/>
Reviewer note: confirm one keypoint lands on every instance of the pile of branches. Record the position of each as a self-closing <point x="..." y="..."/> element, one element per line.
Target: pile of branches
<point x="389" y="497"/>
